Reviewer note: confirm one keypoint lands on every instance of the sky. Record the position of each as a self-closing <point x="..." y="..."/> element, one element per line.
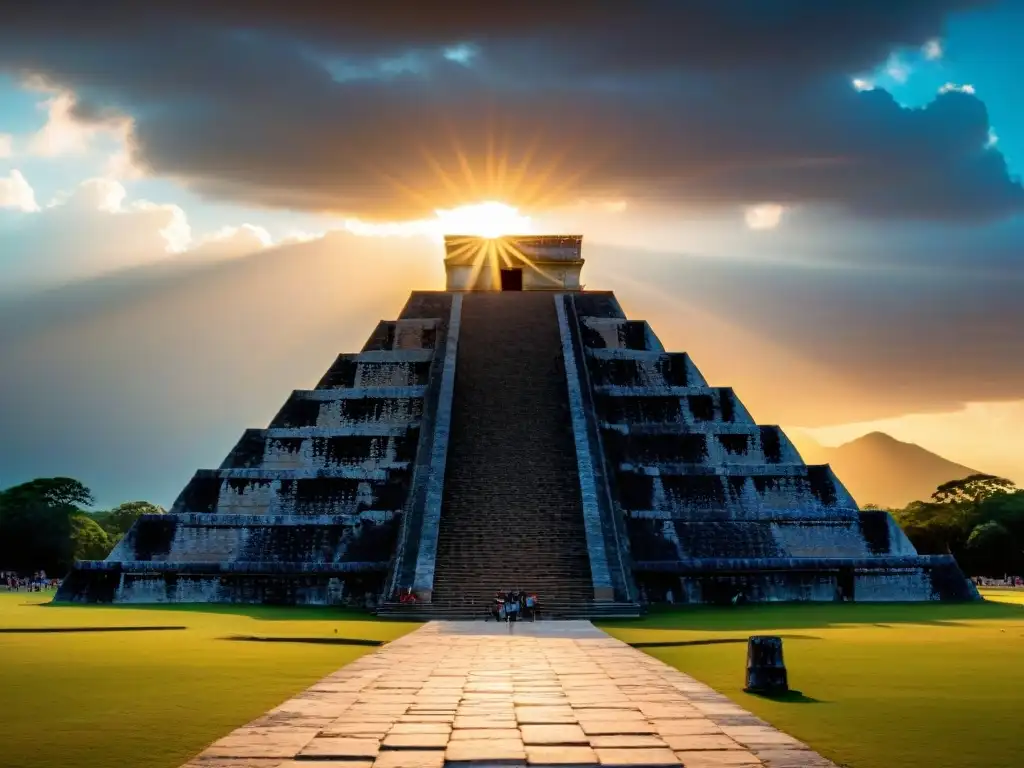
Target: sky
<point x="202" y="203"/>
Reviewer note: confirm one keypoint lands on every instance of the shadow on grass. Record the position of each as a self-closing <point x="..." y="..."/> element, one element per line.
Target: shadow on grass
<point x="711" y="641"/>
<point x="58" y="630"/>
<point x="260" y="612"/>
<point x="790" y="697"/>
<point x="775" y="616"/>
<point x="311" y="640"/>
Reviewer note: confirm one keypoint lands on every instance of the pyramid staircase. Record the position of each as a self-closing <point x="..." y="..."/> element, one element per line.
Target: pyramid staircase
<point x="512" y="513"/>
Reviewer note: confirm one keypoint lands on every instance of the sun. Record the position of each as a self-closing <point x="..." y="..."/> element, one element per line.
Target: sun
<point x="489" y="219"/>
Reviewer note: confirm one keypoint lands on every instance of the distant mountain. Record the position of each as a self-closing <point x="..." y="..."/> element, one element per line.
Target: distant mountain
<point x="879" y="469"/>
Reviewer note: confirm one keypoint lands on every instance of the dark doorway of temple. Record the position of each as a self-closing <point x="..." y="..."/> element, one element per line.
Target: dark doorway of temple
<point x="511" y="279"/>
<point x="845" y="584"/>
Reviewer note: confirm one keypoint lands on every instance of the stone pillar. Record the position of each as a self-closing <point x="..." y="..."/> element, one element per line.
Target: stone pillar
<point x="766" y="670"/>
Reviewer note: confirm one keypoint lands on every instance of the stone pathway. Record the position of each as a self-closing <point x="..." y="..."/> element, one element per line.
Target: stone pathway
<point x="472" y="694"/>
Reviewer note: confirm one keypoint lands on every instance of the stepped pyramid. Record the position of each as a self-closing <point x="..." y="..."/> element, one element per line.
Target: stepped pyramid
<point x="514" y="431"/>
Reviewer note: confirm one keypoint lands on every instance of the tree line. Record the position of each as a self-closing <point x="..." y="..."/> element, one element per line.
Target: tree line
<point x="978" y="519"/>
<point x="45" y="524"/>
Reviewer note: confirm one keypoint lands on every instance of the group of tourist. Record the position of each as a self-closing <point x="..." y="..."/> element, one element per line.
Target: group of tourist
<point x="38" y="582"/>
<point x="509" y="606"/>
<point x="1006" y="581"/>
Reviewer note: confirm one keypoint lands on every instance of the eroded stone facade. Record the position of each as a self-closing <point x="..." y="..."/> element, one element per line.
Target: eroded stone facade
<point x="609" y="467"/>
<point x="713" y="506"/>
<point x="309" y="510"/>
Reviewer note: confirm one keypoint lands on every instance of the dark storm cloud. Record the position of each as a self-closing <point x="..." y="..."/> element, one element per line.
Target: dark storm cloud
<point x="606" y="35"/>
<point x="355" y="109"/>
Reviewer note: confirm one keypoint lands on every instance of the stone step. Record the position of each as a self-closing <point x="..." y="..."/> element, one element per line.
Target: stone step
<point x="369" y="446"/>
<point x="279" y="492"/>
<point x="361" y="393"/>
<point x="378" y="369"/>
<point x="511" y="513"/>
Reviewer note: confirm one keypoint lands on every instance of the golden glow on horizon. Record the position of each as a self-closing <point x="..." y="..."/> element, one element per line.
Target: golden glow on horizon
<point x="489" y="219"/>
<point x="484" y="225"/>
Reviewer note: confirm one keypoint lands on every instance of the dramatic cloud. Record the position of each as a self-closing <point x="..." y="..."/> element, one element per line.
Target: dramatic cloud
<point x="95" y="229"/>
<point x="385" y="113"/>
<point x="6" y="145"/>
<point x="16" y="193"/>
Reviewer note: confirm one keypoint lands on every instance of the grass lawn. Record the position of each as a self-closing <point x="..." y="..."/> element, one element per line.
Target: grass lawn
<point x="887" y="686"/>
<point x="153" y="699"/>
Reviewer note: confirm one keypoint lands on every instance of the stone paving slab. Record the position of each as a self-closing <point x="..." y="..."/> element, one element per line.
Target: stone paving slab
<point x="472" y="694"/>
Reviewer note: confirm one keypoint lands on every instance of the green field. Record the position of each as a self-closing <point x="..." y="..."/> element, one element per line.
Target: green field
<point x="152" y="699"/>
<point x="884" y="686"/>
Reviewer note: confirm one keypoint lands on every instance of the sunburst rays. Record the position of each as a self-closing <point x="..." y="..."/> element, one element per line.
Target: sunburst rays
<point x="492" y="254"/>
<point x="502" y="163"/>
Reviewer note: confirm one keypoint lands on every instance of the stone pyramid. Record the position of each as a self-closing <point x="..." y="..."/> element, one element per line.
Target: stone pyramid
<point x="514" y="431"/>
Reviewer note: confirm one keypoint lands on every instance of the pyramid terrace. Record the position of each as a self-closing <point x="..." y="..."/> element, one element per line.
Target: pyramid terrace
<point x="515" y="431"/>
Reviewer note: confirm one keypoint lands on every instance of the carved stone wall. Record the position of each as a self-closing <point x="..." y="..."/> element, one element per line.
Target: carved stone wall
<point x="717" y="507"/>
<point x="310" y="509"/>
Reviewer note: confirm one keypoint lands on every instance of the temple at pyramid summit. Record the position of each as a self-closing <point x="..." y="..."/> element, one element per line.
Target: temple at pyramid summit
<point x="514" y="431"/>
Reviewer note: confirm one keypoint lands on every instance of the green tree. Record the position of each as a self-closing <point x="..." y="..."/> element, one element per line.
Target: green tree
<point x="978" y="519"/>
<point x="991" y="550"/>
<point x="972" y="489"/>
<point x="89" y="541"/>
<point x="118" y="520"/>
<point x="935" y="529"/>
<point x="35" y="523"/>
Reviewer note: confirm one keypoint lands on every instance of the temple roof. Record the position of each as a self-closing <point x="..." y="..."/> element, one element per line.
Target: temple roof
<point x="464" y="250"/>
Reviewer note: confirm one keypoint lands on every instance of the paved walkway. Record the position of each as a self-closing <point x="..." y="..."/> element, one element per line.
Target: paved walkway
<point x="472" y="694"/>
